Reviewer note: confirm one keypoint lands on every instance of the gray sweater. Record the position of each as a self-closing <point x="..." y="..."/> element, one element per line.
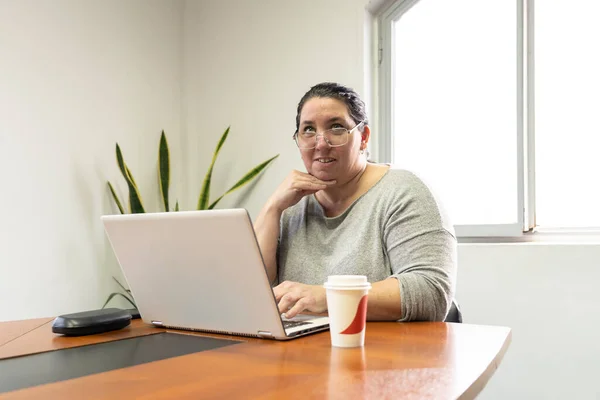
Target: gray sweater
<point x="396" y="229"/>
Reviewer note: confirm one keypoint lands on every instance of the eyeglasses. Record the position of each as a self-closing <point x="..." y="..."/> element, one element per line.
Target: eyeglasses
<point x="334" y="137"/>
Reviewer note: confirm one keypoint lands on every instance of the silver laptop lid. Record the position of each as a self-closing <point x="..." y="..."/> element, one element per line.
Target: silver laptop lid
<point x="196" y="270"/>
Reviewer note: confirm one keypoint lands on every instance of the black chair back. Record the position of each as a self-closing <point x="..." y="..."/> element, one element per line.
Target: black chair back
<point x="454" y="315"/>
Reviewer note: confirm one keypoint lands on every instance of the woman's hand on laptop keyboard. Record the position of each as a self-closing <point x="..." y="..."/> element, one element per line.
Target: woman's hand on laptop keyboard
<point x="294" y="297"/>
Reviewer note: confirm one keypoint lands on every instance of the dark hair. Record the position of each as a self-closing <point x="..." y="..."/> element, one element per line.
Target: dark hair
<point x="356" y="107"/>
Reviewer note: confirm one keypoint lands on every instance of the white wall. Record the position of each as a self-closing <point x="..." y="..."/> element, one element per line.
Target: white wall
<point x="247" y="64"/>
<point x="548" y="295"/>
<point x="76" y="76"/>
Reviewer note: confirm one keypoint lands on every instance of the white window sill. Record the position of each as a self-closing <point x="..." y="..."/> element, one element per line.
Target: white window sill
<point x="543" y="236"/>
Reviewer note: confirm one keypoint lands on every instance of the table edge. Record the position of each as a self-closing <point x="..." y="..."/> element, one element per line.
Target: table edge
<point x="481" y="382"/>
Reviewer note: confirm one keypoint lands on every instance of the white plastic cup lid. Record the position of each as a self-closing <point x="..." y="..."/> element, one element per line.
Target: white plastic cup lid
<point x="347" y="282"/>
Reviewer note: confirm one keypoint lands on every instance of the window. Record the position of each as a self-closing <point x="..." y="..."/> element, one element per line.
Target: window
<point x="567" y="105"/>
<point x="457" y="88"/>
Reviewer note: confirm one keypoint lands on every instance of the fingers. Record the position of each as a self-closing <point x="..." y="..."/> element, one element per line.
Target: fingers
<point x="282" y="289"/>
<point x="308" y="183"/>
<point x="303" y="186"/>
<point x="301" y="305"/>
<point x="292" y="298"/>
<point x="288" y="301"/>
<point x="310" y="178"/>
<point x="328" y="183"/>
<point x="295" y="187"/>
<point x="320" y="182"/>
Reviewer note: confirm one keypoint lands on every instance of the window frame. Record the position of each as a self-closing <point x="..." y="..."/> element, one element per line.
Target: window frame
<point x="525" y="129"/>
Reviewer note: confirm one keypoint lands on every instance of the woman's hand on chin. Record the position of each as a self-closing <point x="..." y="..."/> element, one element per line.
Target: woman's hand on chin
<point x="294" y="297"/>
<point x="295" y="186"/>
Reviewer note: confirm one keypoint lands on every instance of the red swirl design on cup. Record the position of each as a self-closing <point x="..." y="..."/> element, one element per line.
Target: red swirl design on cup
<point x="359" y="321"/>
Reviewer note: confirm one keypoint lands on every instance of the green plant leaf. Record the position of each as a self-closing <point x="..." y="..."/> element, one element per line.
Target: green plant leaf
<point x="177" y="205"/>
<point x="245" y="179"/>
<point x="130" y="176"/>
<point x="116" y="198"/>
<point x="135" y="197"/>
<point x="205" y="191"/>
<point x="164" y="169"/>
<point x="135" y="200"/>
<point x="110" y="297"/>
<point x="121" y="285"/>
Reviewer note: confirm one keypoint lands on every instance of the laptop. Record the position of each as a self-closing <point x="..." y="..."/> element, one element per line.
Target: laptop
<point x="201" y="271"/>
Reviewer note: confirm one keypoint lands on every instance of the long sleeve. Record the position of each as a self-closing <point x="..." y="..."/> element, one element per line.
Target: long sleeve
<point x="421" y="247"/>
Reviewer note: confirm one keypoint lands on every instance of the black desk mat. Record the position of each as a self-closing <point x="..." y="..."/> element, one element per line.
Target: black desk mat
<point x="58" y="365"/>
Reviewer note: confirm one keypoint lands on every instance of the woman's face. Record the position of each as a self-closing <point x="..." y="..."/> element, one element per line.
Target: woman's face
<point x="325" y="162"/>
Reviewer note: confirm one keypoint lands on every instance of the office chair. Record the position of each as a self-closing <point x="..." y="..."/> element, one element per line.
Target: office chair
<point x="454" y="315"/>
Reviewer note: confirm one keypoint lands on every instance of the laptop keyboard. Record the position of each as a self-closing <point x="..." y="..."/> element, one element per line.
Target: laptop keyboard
<point x="292" y="324"/>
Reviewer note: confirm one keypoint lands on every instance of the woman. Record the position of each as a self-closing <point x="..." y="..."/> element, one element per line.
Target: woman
<point x="346" y="215"/>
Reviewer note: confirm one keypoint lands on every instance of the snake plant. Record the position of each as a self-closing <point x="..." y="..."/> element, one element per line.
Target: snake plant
<point x="135" y="202"/>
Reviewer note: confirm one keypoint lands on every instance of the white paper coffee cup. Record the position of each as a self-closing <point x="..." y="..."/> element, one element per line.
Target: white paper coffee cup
<point x="347" y="297"/>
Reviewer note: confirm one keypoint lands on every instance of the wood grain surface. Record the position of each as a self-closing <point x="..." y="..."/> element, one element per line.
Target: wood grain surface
<point x="13" y="329"/>
<point x="399" y="360"/>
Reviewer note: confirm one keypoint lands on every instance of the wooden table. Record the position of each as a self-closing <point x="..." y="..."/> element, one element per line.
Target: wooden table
<point x="399" y="360"/>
